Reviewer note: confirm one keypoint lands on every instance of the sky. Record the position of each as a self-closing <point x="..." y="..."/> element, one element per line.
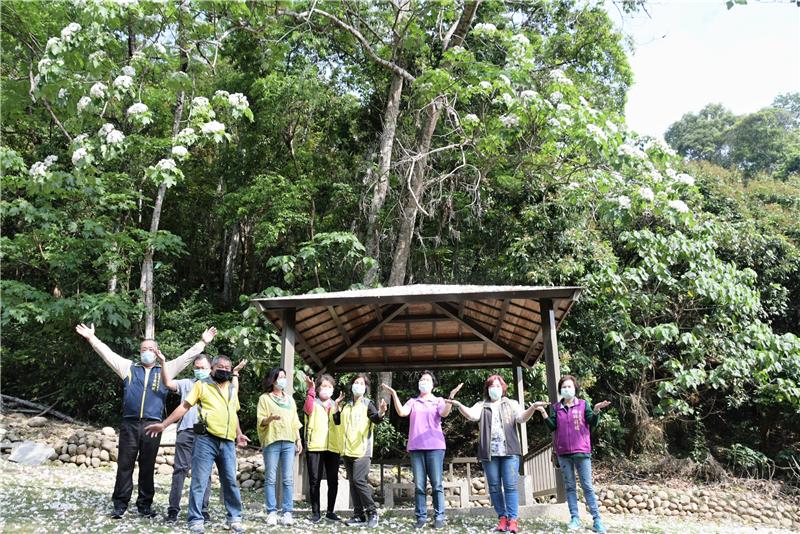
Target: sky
<point x="688" y="53"/>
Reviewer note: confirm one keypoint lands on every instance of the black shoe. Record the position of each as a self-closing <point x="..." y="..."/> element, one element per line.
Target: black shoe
<point x="373" y="521"/>
<point x="117" y="513"/>
<point x="316" y="517"/>
<point x="438" y="523"/>
<point x="356" y="521"/>
<point x="331" y="516"/>
<point x="171" y="517"/>
<point x="147" y="512"/>
<point x="206" y="517"/>
<point x="420" y="524"/>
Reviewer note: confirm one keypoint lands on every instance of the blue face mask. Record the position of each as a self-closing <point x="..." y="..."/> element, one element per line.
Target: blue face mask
<point x="148" y="357"/>
<point x="495" y="393"/>
<point x="202" y="374"/>
<point x="567" y="393"/>
<point x="358" y="389"/>
<point x="281" y="383"/>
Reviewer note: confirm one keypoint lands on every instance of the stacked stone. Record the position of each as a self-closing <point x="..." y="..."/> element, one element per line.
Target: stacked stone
<point x="715" y="505"/>
<point x="479" y="488"/>
<point x="87" y="449"/>
<point x="251" y="472"/>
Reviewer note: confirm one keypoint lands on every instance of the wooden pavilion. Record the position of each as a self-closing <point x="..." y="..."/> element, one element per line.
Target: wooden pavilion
<point x="427" y="327"/>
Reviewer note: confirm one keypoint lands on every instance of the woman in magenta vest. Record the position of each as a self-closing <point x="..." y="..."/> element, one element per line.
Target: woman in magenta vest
<point x="571" y="419"/>
<point x="499" y="446"/>
<point x="425" y="445"/>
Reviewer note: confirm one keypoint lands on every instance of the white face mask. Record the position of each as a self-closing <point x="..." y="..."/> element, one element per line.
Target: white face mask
<point x="281" y="383"/>
<point x="358" y="389"/>
<point x="425" y="386"/>
<point x="495" y="392"/>
<point x="148" y="357"/>
<point x="325" y="393"/>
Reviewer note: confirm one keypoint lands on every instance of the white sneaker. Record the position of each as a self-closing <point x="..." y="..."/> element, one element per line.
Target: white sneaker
<point x="272" y="519"/>
<point x="287" y="519"/>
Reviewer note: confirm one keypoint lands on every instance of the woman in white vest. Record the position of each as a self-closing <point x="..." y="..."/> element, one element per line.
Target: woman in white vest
<point x="357" y="418"/>
<point x="323" y="443"/>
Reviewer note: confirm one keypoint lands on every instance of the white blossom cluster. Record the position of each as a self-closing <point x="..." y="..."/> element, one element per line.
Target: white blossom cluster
<point x="39" y="169"/>
<point x="137" y="109"/>
<point x="486" y="28"/>
<point x="212" y="127"/>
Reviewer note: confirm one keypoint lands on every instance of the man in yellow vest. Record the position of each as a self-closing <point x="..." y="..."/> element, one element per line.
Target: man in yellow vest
<point x="216" y="437"/>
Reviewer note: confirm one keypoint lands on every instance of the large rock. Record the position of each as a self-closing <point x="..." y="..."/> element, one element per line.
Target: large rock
<point x="164" y="469"/>
<point x="104" y="456"/>
<point x="108" y="432"/>
<point x="35" y="422"/>
<point x="31" y="453"/>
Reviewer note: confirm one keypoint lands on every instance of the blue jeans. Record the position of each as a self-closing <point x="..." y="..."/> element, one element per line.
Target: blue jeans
<point x="502" y="475"/>
<point x="209" y="450"/>
<point x="569" y="465"/>
<point x="426" y="465"/>
<point x="275" y="454"/>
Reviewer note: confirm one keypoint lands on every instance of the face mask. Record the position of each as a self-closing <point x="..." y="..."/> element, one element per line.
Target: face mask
<point x="495" y="393"/>
<point x="202" y="374"/>
<point x="148" y="357"/>
<point x="220" y="375"/>
<point x="325" y="393"/>
<point x="568" y="393"/>
<point x="281" y="383"/>
<point x="358" y="389"/>
<point x="425" y="387"/>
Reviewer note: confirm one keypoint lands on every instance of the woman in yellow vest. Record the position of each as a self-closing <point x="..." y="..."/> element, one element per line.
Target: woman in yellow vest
<point x="323" y="443"/>
<point x="279" y="434"/>
<point x="357" y="418"/>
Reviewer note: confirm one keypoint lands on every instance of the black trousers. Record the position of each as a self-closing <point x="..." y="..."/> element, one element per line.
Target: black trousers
<point x="318" y="461"/>
<point x="360" y="490"/>
<point x="133" y="444"/>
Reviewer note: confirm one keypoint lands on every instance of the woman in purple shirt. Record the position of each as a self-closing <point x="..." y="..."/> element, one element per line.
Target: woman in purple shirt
<point x="425" y="444"/>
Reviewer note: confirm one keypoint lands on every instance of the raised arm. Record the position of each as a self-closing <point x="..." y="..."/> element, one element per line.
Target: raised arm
<point x="447" y="408"/>
<point x="167" y="380"/>
<point x="179" y="364"/>
<point x="523" y="416"/>
<point x="235" y="379"/>
<point x="157" y="428"/>
<point x="401" y="410"/>
<point x="118" y="364"/>
<point x="470" y="414"/>
<point x="311" y="395"/>
<point x="376" y="414"/>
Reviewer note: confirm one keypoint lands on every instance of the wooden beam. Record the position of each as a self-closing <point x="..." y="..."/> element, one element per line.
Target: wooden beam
<point x="481" y="363"/>
<point x="378" y="312"/>
<point x="551" y="360"/>
<point x="428" y="342"/>
<point x="361" y="337"/>
<point x="503" y="312"/>
<point x="305" y="347"/>
<point x="339" y="325"/>
<point x="476" y="329"/>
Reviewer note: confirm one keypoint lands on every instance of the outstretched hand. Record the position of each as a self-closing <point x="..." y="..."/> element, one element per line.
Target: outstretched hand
<point x="601" y="405"/>
<point x="154" y="429"/>
<point x="161" y="357"/>
<point x="85" y="331"/>
<point x="453" y="402"/>
<point x="455" y="390"/>
<point x="340" y="398"/>
<point x="382" y="407"/>
<point x="242" y="441"/>
<point x="267" y="420"/>
<point x="239" y="366"/>
<point x="208" y="335"/>
<point x="309" y="382"/>
<point x="389" y="389"/>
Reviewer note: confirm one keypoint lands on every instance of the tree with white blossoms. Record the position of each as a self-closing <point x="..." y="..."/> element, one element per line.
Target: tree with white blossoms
<point x="134" y="67"/>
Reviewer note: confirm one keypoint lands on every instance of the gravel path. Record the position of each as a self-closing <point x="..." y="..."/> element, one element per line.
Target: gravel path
<point x="72" y="500"/>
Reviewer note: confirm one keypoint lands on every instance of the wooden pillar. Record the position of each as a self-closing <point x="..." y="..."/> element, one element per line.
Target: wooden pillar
<point x="287" y="347"/>
<point x="525" y="485"/>
<point x="288" y="335"/>
<point x="553" y="372"/>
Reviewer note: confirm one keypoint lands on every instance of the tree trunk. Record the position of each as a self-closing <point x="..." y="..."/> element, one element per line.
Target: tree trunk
<point x="146" y="284"/>
<point x="230" y="262"/>
<point x="373" y="241"/>
<point x="415" y="192"/>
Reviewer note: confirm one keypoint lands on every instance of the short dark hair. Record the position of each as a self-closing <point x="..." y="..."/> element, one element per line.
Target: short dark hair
<point x="203" y="357"/>
<point x="429" y="373"/>
<point x="272" y="376"/>
<point x="574" y="381"/>
<point x="324" y="378"/>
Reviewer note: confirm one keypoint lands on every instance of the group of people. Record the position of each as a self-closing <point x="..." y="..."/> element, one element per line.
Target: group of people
<point x="334" y="430"/>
